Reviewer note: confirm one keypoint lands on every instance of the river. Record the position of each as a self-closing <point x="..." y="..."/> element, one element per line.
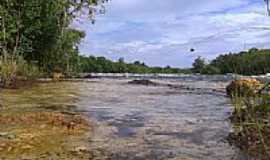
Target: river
<point x="137" y="122"/>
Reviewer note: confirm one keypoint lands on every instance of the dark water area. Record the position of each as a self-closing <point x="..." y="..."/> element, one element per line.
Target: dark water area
<point x="155" y="122"/>
<point x="136" y="122"/>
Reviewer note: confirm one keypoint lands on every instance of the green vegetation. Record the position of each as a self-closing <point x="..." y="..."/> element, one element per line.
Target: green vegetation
<point x="252" y="62"/>
<point x="36" y="37"/>
<point x="200" y="66"/>
<point x="93" y="64"/>
<point x="39" y="32"/>
<point x="15" y="68"/>
<point x="251" y="118"/>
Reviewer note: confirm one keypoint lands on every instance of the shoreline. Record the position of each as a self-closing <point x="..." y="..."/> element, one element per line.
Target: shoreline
<point x="179" y="89"/>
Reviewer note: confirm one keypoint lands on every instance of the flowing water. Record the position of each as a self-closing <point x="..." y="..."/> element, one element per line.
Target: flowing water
<point x="136" y="122"/>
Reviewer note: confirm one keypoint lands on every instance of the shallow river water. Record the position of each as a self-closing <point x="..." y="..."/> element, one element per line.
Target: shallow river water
<point x="136" y="122"/>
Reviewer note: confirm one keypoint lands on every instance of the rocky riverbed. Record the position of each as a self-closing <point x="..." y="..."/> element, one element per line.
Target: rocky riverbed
<point x="112" y="119"/>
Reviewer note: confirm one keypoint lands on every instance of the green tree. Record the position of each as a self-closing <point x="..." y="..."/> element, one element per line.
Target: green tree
<point x="39" y="30"/>
<point x="198" y="65"/>
<point x="252" y="62"/>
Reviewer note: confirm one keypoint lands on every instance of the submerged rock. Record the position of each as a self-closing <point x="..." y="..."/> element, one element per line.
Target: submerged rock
<point x="143" y="82"/>
<point x="81" y="149"/>
<point x="7" y="135"/>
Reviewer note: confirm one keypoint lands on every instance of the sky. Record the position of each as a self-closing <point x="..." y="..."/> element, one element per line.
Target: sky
<point x="162" y="32"/>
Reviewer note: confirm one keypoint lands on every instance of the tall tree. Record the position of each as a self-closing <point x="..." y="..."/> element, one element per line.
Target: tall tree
<point x="40" y="29"/>
<point x="198" y="65"/>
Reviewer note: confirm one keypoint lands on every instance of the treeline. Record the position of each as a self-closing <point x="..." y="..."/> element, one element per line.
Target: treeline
<point x="93" y="64"/>
<point x="251" y="62"/>
<point x="36" y="34"/>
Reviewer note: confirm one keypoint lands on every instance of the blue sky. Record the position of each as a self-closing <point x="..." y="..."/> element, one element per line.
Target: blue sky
<point x="161" y="32"/>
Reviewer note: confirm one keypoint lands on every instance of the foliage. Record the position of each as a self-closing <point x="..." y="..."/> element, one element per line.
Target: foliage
<point x="252" y="125"/>
<point x="39" y="30"/>
<point x="243" y="87"/>
<point x="8" y="68"/>
<point x="210" y="70"/>
<point x="252" y="62"/>
<point x="93" y="64"/>
<point x="13" y="68"/>
<point x="198" y="65"/>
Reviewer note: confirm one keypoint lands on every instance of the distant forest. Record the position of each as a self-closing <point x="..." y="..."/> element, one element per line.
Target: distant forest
<point x="251" y="62"/>
<point x="93" y="64"/>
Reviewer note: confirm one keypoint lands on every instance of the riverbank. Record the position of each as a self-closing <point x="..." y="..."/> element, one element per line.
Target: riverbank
<point x="129" y="121"/>
<point x="42" y="135"/>
<point x="118" y="118"/>
<point x="251" y="117"/>
<point x="35" y="125"/>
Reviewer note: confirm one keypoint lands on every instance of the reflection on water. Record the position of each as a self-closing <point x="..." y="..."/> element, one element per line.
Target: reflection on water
<point x="142" y="122"/>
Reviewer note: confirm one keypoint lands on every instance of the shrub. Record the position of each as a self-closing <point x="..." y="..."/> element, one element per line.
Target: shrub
<point x="243" y="87"/>
<point x="211" y="70"/>
<point x="8" y="68"/>
<point x="14" y="68"/>
<point x="26" y="70"/>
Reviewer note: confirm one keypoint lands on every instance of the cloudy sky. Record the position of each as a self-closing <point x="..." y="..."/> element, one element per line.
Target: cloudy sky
<point x="162" y="32"/>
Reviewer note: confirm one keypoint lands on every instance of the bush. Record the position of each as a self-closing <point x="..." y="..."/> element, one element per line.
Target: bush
<point x="26" y="70"/>
<point x="251" y="122"/>
<point x="14" y="68"/>
<point x="8" y="68"/>
<point x="211" y="70"/>
<point x="243" y="87"/>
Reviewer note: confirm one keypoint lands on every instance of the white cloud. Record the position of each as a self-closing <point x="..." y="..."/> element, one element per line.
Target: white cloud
<point x="162" y="32"/>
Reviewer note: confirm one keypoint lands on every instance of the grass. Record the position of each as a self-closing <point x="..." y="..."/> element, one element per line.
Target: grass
<point x="251" y="120"/>
<point x="14" y="68"/>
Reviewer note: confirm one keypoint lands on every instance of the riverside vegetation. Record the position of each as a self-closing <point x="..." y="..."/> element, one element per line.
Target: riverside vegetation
<point x="36" y="40"/>
<point x="251" y="62"/>
<point x="38" y="34"/>
<point x="251" y="117"/>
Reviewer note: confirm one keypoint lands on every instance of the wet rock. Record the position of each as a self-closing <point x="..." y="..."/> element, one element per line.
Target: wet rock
<point x="143" y="82"/>
<point x="4" y="134"/>
<point x="7" y="135"/>
<point x="89" y="76"/>
<point x="26" y="158"/>
<point x="27" y="147"/>
<point x="9" y="148"/>
<point x="27" y="136"/>
<point x="3" y="146"/>
<point x="81" y="149"/>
